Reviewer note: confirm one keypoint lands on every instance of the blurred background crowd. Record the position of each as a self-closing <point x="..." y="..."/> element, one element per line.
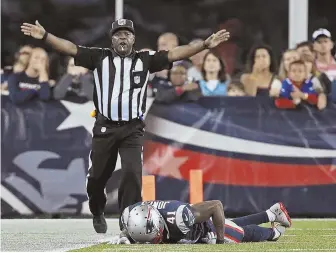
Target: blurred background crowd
<point x="255" y="62"/>
<point x="205" y="74"/>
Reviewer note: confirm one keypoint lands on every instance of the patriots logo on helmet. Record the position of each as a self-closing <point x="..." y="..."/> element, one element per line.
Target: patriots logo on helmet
<point x="121" y="21"/>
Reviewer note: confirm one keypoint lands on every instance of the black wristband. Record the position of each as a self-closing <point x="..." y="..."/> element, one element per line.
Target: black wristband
<point x="45" y="36"/>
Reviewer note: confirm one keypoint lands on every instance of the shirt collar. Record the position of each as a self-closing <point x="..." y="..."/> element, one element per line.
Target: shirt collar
<point x="296" y="83"/>
<point x="322" y="64"/>
<point x="132" y="55"/>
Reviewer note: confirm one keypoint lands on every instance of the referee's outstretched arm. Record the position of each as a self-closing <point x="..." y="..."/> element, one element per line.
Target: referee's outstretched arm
<point x="67" y="47"/>
<point x="186" y="51"/>
<point x="38" y="32"/>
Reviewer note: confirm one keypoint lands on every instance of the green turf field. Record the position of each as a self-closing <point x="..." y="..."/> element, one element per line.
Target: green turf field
<point x="305" y="235"/>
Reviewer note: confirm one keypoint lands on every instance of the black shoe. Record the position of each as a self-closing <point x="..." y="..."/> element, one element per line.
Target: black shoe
<point x="99" y="224"/>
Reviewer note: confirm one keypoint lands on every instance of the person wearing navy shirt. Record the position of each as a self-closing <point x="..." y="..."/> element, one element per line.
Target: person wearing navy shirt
<point x="203" y="223"/>
<point x="297" y="88"/>
<point x="21" y="61"/>
<point x="180" y="218"/>
<point x="178" y="88"/>
<point x="32" y="83"/>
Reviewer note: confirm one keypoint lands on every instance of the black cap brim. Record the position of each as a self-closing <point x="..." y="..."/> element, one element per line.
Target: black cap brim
<point x="113" y="31"/>
<point x="321" y="36"/>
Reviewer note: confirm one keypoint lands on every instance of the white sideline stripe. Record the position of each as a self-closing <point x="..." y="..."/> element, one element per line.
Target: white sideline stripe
<point x="293" y="219"/>
<point x="314" y="235"/>
<point x="14" y="202"/>
<point x="196" y="137"/>
<point x="314" y="229"/>
<point x="313" y="250"/>
<point x="314" y="219"/>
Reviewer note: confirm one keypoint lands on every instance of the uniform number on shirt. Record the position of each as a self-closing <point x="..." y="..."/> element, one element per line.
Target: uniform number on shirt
<point x="171" y="217"/>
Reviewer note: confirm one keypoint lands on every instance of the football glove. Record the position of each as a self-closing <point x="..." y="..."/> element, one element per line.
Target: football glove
<point x="123" y="240"/>
<point x="210" y="238"/>
<point x="119" y="240"/>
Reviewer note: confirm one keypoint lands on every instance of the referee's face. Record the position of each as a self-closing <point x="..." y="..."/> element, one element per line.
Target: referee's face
<point x="123" y="41"/>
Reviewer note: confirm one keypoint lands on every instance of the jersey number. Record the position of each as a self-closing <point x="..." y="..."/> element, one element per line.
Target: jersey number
<point x="171" y="217"/>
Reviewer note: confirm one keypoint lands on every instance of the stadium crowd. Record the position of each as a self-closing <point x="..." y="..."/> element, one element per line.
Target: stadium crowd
<point x="306" y="74"/>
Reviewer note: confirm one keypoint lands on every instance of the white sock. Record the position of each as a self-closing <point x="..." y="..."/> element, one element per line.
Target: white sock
<point x="276" y="233"/>
<point x="271" y="216"/>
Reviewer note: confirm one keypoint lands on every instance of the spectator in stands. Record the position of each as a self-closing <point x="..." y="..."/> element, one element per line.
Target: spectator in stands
<point x="260" y="71"/>
<point x="323" y="46"/>
<point x="195" y="72"/>
<point x="216" y="80"/>
<point x="232" y="50"/>
<point x="236" y="89"/>
<point x="312" y="72"/>
<point x="305" y="48"/>
<point x="166" y="41"/>
<point x="297" y="88"/>
<point x="178" y="89"/>
<point x="288" y="57"/>
<point x="307" y="54"/>
<point x="77" y="81"/>
<point x="33" y="82"/>
<point x="20" y="64"/>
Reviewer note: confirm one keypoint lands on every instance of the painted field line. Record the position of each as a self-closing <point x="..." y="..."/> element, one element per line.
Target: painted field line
<point x="313" y="229"/>
<point x="314" y="219"/>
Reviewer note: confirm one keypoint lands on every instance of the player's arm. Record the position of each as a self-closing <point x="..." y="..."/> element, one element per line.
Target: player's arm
<point x="186" y="51"/>
<point x="38" y="32"/>
<point x="211" y="209"/>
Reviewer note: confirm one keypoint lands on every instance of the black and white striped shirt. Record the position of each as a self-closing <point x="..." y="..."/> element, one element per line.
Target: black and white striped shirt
<point x="121" y="82"/>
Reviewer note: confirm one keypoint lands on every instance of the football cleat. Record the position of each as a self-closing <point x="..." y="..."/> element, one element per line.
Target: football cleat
<point x="99" y="224"/>
<point x="281" y="214"/>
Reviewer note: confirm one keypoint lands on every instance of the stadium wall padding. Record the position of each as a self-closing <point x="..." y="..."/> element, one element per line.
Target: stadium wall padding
<point x="251" y="155"/>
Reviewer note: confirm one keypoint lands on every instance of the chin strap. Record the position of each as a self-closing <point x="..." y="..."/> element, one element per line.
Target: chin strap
<point x="166" y="227"/>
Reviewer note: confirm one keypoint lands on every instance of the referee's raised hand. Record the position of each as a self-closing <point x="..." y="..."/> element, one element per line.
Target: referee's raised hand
<point x="36" y="31"/>
<point x="217" y="38"/>
<point x="184" y="52"/>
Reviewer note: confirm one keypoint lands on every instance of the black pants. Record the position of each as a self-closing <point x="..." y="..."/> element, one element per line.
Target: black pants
<point x="109" y="139"/>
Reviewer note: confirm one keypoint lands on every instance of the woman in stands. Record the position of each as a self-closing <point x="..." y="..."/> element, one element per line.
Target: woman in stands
<point x="260" y="71"/>
<point x="216" y="79"/>
<point x="33" y="82"/>
<point x="288" y="57"/>
<point x="77" y="81"/>
<point x="21" y="61"/>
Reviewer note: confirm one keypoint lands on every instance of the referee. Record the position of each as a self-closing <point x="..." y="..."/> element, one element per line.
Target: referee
<point x="120" y="84"/>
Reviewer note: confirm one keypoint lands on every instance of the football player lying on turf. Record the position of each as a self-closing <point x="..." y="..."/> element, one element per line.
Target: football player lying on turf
<point x="177" y="222"/>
